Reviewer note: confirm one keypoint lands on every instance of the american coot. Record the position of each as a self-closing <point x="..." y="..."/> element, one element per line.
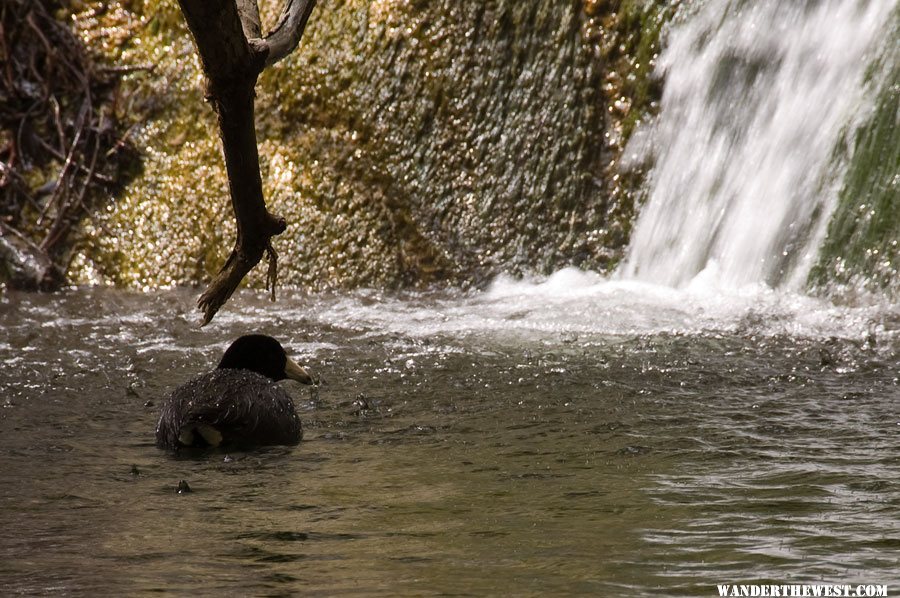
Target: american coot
<point x="237" y="404"/>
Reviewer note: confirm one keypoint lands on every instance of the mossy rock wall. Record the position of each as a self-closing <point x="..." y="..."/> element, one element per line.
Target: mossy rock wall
<point x="405" y="141"/>
<point x="862" y="249"/>
<point x="411" y="141"/>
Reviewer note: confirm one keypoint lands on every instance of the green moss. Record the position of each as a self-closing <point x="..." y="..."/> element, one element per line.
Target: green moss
<point x="405" y="142"/>
<point x="862" y="249"/>
<point x="629" y="35"/>
<point x="642" y="24"/>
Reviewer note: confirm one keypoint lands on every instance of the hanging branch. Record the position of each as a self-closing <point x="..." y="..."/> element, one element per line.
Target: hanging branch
<point x="233" y="54"/>
<point x="286" y="34"/>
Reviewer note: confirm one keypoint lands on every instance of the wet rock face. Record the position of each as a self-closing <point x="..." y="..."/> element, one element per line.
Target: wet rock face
<point x="405" y="142"/>
<point x="862" y="250"/>
<point x="468" y="135"/>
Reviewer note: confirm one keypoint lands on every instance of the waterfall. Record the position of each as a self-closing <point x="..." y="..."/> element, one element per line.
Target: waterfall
<point x="760" y="102"/>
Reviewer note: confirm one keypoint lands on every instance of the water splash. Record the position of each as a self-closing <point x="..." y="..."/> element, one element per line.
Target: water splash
<point x="573" y="304"/>
<point x="758" y="97"/>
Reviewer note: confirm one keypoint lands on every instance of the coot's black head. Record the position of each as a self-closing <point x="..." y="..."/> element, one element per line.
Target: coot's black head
<point x="264" y="355"/>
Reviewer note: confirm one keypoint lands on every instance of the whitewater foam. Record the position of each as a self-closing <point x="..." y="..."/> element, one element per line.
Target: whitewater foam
<point x="583" y="304"/>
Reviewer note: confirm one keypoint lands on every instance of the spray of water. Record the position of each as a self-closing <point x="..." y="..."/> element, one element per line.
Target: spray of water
<point x="759" y="96"/>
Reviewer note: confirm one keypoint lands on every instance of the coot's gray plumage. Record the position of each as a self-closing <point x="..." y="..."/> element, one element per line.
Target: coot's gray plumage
<point x="239" y="403"/>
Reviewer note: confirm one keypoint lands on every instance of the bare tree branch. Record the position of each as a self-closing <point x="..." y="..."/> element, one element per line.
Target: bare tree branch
<point x="227" y="35"/>
<point x="218" y="31"/>
<point x="248" y="11"/>
<point x="286" y="34"/>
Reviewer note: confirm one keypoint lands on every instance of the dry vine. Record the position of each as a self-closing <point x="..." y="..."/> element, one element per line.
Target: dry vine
<point x="61" y="147"/>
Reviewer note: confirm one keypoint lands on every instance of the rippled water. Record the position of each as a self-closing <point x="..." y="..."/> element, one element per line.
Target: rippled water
<point x="568" y="436"/>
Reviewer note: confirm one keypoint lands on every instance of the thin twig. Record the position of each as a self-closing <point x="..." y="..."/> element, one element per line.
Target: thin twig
<point x="59" y="226"/>
<point x="59" y="128"/>
<point x="79" y="128"/>
<point x="81" y="167"/>
<point x="126" y="68"/>
<point x="272" y="272"/>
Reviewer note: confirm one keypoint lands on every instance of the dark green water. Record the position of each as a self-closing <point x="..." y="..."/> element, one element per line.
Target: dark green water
<point x="582" y="438"/>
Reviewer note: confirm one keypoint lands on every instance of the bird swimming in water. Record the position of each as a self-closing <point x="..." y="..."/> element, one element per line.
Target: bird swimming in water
<point x="239" y="403"/>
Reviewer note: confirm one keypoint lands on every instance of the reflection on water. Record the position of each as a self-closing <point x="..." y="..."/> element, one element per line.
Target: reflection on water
<point x="607" y="443"/>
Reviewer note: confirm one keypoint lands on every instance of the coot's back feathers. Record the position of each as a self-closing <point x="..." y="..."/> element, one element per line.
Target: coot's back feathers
<point x="228" y="408"/>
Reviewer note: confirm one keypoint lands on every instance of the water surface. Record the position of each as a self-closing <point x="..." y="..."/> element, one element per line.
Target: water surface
<point x="568" y="436"/>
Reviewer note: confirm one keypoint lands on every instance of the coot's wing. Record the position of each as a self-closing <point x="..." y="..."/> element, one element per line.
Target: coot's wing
<point x="229" y="407"/>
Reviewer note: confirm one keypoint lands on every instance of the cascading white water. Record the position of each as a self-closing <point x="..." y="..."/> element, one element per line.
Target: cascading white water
<point x="759" y="95"/>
